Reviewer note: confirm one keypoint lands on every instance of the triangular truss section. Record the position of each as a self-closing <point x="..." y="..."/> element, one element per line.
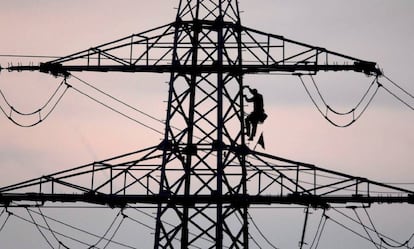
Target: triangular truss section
<point x="153" y="51"/>
<point x="135" y="178"/>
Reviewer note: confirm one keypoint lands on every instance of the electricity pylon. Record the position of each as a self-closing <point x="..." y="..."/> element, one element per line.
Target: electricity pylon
<point x="202" y="177"/>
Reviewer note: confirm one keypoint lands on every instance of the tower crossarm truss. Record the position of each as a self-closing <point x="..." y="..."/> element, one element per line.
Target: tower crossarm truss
<point x="134" y="179"/>
<point x="153" y="51"/>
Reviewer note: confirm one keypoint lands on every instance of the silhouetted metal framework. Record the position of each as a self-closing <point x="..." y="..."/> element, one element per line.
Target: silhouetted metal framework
<point x="204" y="177"/>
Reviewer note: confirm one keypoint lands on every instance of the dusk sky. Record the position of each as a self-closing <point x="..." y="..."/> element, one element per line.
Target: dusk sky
<point x="379" y="146"/>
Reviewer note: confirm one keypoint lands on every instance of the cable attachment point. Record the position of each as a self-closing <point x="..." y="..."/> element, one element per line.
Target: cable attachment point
<point x="367" y="67"/>
<point x="55" y="69"/>
<point x="123" y="214"/>
<point x="65" y="82"/>
<point x="379" y="84"/>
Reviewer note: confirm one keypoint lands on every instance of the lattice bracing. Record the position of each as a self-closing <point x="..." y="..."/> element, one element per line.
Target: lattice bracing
<point x="153" y="51"/>
<point x="135" y="178"/>
<point x="203" y="177"/>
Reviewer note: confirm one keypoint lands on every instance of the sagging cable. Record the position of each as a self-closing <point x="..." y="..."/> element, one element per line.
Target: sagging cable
<point x="365" y="229"/>
<point x="43" y="227"/>
<point x="261" y="233"/>
<point x="400" y="245"/>
<point x="40" y="230"/>
<point x="328" y="109"/>
<point x="107" y="231"/>
<point x="80" y="230"/>
<point x="380" y="235"/>
<point x="10" y="111"/>
<point x="51" y="230"/>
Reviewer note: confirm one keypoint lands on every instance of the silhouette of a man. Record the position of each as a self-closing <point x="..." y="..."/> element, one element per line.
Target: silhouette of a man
<point x="257" y="115"/>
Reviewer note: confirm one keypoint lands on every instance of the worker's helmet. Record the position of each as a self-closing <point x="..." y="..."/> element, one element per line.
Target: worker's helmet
<point x="254" y="90"/>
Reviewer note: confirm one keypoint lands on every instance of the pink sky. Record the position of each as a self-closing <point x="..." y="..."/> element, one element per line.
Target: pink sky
<point x="379" y="146"/>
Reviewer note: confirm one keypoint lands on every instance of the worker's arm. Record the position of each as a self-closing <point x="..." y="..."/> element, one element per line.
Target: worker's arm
<point x="245" y="96"/>
<point x="248" y="99"/>
<point x="248" y="87"/>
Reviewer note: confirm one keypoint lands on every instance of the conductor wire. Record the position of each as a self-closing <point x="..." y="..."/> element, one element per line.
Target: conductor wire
<point x="80" y="230"/>
<point x="319" y="230"/>
<point x="123" y="103"/>
<point x="115" y="232"/>
<point x="39" y="111"/>
<point x="38" y="228"/>
<point x="260" y="232"/>
<point x="117" y="100"/>
<point x="116" y="111"/>
<point x="354" y="118"/>
<point x="51" y="231"/>
<point x="34" y="112"/>
<point x="365" y="229"/>
<point x="405" y="244"/>
<point x="371" y="229"/>
<point x="352" y="231"/>
<point x="399" y="87"/>
<point x="397" y="97"/>
<point x="250" y="235"/>
<point x="106" y="232"/>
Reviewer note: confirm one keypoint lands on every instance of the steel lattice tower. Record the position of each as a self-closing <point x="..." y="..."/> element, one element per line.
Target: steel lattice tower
<point x="202" y="177"/>
<point x="205" y="99"/>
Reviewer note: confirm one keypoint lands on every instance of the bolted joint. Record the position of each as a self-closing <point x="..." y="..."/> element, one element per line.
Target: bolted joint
<point x="178" y="22"/>
<point x="165" y="145"/>
<point x="240" y="201"/>
<point x="197" y="25"/>
<point x="191" y="149"/>
<point x="217" y="145"/>
<point x="241" y="150"/>
<point x="218" y="23"/>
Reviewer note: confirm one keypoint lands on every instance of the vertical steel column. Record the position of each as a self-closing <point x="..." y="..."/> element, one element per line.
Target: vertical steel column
<point x="220" y="125"/>
<point x="209" y="103"/>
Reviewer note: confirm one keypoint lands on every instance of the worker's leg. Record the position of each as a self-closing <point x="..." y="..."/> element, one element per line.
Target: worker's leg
<point x="254" y="129"/>
<point x="247" y="122"/>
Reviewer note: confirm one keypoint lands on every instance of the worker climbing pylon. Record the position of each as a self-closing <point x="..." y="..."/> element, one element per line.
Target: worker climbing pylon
<point x="258" y="114"/>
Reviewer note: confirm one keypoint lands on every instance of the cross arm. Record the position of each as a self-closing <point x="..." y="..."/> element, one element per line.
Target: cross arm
<point x="265" y="53"/>
<point x="155" y="51"/>
<point x="135" y="176"/>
